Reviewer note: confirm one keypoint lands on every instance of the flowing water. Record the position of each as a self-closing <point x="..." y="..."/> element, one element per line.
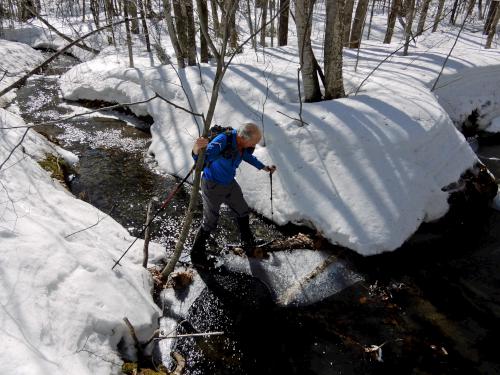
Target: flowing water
<point x="428" y="308"/>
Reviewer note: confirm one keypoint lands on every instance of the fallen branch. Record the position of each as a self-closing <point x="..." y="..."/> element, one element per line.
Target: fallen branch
<point x="65" y="37"/>
<point x="51" y="58"/>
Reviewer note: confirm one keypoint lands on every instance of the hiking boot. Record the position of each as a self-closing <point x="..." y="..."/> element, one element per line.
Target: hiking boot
<point x="198" y="251"/>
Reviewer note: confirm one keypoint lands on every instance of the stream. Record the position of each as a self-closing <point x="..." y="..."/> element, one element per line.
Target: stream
<point x="428" y="308"/>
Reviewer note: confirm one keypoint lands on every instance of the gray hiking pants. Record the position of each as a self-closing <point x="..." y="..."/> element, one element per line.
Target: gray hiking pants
<point x="213" y="195"/>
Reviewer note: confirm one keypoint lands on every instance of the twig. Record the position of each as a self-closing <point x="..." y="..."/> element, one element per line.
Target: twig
<point x="147" y="235"/>
<point x="391" y="54"/>
<point x="190" y="335"/>
<point x="14" y="149"/>
<point x="293" y="118"/>
<point x="83" y="113"/>
<point x="93" y="225"/>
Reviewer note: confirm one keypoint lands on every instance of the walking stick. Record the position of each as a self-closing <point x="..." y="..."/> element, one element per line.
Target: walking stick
<point x="271" y="181"/>
<point x="165" y="203"/>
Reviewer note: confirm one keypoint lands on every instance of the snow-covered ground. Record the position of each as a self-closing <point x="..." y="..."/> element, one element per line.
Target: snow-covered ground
<point x="365" y="171"/>
<point x="62" y="307"/>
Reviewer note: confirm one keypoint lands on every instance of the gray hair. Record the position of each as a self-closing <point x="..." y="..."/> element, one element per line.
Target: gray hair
<point x="248" y="130"/>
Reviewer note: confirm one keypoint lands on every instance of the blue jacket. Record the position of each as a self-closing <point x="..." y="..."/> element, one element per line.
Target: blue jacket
<point x="221" y="169"/>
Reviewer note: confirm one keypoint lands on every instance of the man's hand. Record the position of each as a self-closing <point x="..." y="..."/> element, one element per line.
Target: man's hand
<point x="199" y="144"/>
<point x="269" y="168"/>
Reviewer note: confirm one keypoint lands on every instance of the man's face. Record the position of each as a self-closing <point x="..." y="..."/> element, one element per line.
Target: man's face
<point x="251" y="142"/>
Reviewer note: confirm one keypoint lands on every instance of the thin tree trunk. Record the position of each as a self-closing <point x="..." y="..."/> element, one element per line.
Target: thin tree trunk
<point x="423" y="16"/>
<point x="493" y="26"/>
<point x="283" y="22"/>
<point x="83" y="10"/>
<point x="129" y="38"/>
<point x="94" y="8"/>
<point x="490" y="16"/>
<point x="453" y="12"/>
<point x="303" y="20"/>
<point x="250" y="25"/>
<point x="263" y="23"/>
<point x="215" y="17"/>
<point x="132" y="11"/>
<point x="203" y="10"/>
<point x="173" y="35"/>
<point x="396" y="5"/>
<point x="410" y="11"/>
<point x="333" y="49"/>
<point x="357" y="27"/>
<point x="180" y="26"/>
<point x="437" y="19"/>
<point x="233" y="33"/>
<point x="193" y="201"/>
<point x="191" y="32"/>
<point x="480" y="9"/>
<point x="145" y="30"/>
<point x="371" y="18"/>
<point x="271" y="26"/>
<point x="348" y="9"/>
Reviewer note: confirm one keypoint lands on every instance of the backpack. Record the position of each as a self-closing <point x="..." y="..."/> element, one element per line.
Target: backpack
<point x="213" y="132"/>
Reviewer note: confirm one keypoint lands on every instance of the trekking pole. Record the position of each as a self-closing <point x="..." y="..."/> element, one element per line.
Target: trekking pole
<point x="271" y="181"/>
<point x="165" y="203"/>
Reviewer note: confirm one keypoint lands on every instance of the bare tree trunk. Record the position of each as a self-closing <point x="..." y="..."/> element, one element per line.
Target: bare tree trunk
<point x="94" y="8"/>
<point x="493" y="25"/>
<point x="303" y="20"/>
<point x="348" y="8"/>
<point x="132" y="12"/>
<point x="453" y="12"/>
<point x="250" y="25"/>
<point x="263" y="23"/>
<point x="129" y="38"/>
<point x="215" y="17"/>
<point x="203" y="13"/>
<point x="180" y="25"/>
<point x="423" y="15"/>
<point x="480" y="9"/>
<point x="108" y="9"/>
<point x="83" y="10"/>
<point x="371" y="18"/>
<point x="410" y="11"/>
<point x="490" y="16"/>
<point x="395" y="8"/>
<point x="233" y="33"/>
<point x="271" y="26"/>
<point x="357" y="27"/>
<point x="438" y="15"/>
<point x="142" y="12"/>
<point x="191" y="33"/>
<point x="334" y="87"/>
<point x="283" y="22"/>
<point x="173" y="35"/>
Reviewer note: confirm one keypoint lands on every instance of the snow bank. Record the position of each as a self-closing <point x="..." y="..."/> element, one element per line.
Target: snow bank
<point x="472" y="90"/>
<point x="62" y="306"/>
<point x="366" y="171"/>
<point x="39" y="36"/>
<point x="17" y="59"/>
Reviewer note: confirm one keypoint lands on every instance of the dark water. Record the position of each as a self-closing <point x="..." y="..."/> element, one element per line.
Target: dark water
<point x="432" y="307"/>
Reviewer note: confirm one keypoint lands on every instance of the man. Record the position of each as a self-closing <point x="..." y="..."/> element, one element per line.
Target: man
<point x="222" y="158"/>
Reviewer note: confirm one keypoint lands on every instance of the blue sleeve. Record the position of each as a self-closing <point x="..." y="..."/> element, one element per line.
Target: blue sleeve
<point x="215" y="147"/>
<point x="250" y="159"/>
